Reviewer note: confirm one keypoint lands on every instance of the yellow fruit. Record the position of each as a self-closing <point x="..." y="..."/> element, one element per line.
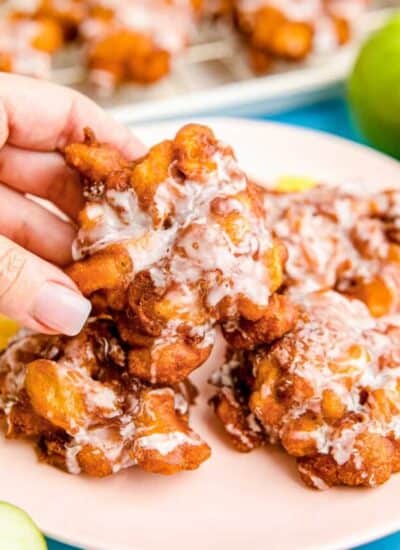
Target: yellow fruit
<point x="294" y="184"/>
<point x="8" y="329"/>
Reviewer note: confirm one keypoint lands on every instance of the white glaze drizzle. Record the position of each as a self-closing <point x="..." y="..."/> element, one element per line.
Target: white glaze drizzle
<point x="107" y="429"/>
<point x="166" y="443"/>
<point x="16" y="42"/>
<point x="168" y="24"/>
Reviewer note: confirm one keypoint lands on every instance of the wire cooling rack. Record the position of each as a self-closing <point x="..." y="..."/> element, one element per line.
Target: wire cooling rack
<point x="213" y="75"/>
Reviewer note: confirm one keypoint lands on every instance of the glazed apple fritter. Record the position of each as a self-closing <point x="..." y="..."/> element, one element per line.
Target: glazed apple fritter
<point x="122" y="41"/>
<point x="68" y="15"/>
<point x="329" y="390"/>
<point x="26" y="44"/>
<point x="174" y="244"/>
<point x="74" y="397"/>
<point x="293" y="29"/>
<point x="168" y="247"/>
<point x="132" y="40"/>
<point x="342" y="238"/>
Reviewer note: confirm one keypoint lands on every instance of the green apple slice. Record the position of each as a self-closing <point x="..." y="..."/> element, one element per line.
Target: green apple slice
<point x="17" y="530"/>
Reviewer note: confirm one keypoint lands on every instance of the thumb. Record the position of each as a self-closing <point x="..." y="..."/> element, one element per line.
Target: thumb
<point x="37" y="294"/>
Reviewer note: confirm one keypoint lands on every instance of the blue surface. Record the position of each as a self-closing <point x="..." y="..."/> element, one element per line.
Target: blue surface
<point x="53" y="545"/>
<point x="329" y="116"/>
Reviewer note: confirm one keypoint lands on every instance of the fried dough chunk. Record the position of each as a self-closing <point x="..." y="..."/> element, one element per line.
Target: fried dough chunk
<point x="132" y="41"/>
<point x="273" y="32"/>
<point x="127" y="56"/>
<point x="174" y="244"/>
<point x="26" y="44"/>
<point x="295" y="29"/>
<point x="164" y="442"/>
<point x="231" y="403"/>
<point x="74" y="398"/>
<point x="68" y="15"/>
<point x="329" y="392"/>
<point x="136" y="41"/>
<point x="30" y="36"/>
<point x="340" y="238"/>
<point x="250" y="334"/>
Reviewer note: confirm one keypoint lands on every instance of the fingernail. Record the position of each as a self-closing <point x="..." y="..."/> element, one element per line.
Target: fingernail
<point x="61" y="309"/>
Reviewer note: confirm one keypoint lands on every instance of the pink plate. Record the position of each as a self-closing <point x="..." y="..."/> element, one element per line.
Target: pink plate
<point x="233" y="501"/>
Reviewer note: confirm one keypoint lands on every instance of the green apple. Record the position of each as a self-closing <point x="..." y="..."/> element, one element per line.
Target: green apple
<point x="374" y="88"/>
<point x="17" y="530"/>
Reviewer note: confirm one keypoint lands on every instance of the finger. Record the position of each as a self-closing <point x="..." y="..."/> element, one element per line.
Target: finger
<point x="35" y="228"/>
<point x="44" y="175"/>
<point x="37" y="294"/>
<point x="48" y="117"/>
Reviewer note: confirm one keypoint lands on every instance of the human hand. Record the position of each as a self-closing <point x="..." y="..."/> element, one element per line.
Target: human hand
<point x="37" y="119"/>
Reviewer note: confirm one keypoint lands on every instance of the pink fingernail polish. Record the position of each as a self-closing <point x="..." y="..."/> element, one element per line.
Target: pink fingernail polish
<point x="61" y="309"/>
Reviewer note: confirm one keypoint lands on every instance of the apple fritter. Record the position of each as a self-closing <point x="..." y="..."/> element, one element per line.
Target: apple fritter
<point x="26" y="45"/>
<point x="328" y="392"/>
<point x="343" y="238"/>
<point x="74" y="398"/>
<point x="294" y="29"/>
<point x="135" y="41"/>
<point x="174" y="244"/>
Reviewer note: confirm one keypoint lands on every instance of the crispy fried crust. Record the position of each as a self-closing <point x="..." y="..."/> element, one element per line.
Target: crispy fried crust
<point x="173" y="244"/>
<point x="356" y="253"/>
<point x="131" y="41"/>
<point x="129" y="56"/>
<point x="169" y="246"/>
<point x="32" y="36"/>
<point x="164" y="441"/>
<point x="248" y="334"/>
<point x="73" y="397"/>
<point x="327" y="391"/>
<point x="292" y="31"/>
<point x="235" y="383"/>
<point x="121" y="51"/>
<point x="270" y="30"/>
<point x="27" y="44"/>
<point x="67" y="15"/>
